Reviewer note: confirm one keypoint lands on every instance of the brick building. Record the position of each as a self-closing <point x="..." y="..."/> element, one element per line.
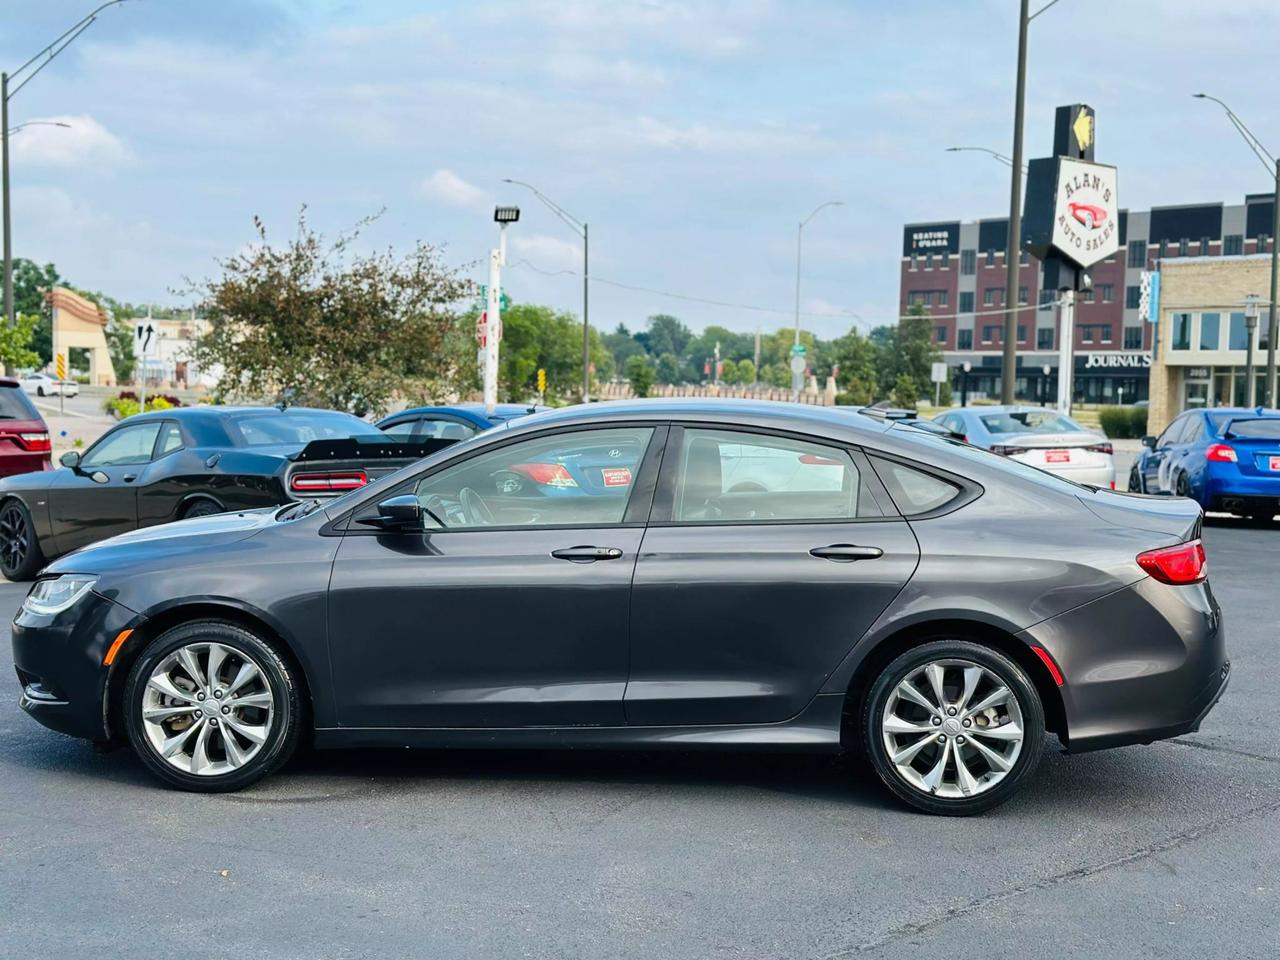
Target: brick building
<point x="956" y="272"/>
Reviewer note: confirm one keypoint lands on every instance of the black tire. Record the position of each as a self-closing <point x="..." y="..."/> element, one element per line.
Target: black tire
<point x="39" y="391"/>
<point x="20" y="555"/>
<point x="284" y="727"/>
<point x="1003" y="669"/>
<point x="1181" y="486"/>
<point x="1135" y="480"/>
<point x="200" y="508"/>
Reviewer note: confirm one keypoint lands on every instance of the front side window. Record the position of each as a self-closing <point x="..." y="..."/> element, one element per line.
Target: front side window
<point x="1171" y="433"/>
<point x="128" y="446"/>
<point x="580" y="478"/>
<point x="728" y="476"/>
<point x="403" y="429"/>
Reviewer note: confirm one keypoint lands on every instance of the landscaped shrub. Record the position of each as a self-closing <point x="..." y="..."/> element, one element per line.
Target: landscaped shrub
<point x="1123" y="423"/>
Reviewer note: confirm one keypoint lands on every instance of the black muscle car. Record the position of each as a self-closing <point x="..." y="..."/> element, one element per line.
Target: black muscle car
<point x="189" y="462"/>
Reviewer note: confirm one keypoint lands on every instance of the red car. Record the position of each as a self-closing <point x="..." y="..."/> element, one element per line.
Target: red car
<point x="1088" y="214"/>
<point x="24" y="436"/>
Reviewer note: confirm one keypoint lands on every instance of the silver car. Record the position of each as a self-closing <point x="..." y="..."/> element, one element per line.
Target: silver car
<point x="1038" y="436"/>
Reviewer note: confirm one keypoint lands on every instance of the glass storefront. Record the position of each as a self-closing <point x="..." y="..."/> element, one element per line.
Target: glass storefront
<point x="1219" y="387"/>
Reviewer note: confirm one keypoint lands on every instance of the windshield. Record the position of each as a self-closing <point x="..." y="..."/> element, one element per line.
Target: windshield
<point x="1029" y="421"/>
<point x="298" y="427"/>
<point x="1261" y="428"/>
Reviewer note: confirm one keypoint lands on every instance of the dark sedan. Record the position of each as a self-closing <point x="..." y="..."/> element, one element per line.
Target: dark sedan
<point x="776" y="577"/>
<point x="184" y="463"/>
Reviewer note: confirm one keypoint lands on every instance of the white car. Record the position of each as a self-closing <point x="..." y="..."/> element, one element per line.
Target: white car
<point x="1039" y="436"/>
<point x="47" y="385"/>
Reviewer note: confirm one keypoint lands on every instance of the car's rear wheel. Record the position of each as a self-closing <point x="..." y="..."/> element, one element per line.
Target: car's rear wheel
<point x="211" y="707"/>
<point x="20" y="555"/>
<point x="1135" y="480"/>
<point x="39" y="391"/>
<point x="201" y="508"/>
<point x="953" y="727"/>
<point x="1181" y="486"/>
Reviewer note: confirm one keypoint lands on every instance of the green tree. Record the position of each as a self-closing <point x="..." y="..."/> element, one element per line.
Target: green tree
<point x="857" y="358"/>
<point x="746" y="371"/>
<point x="621" y="344"/>
<point x="905" y="393"/>
<point x="536" y="337"/>
<point x="666" y="334"/>
<point x="16" y="342"/>
<point x="31" y="283"/>
<point x="914" y="351"/>
<point x="668" y="370"/>
<point x="728" y="371"/>
<point x="639" y="375"/>
<point x="311" y="320"/>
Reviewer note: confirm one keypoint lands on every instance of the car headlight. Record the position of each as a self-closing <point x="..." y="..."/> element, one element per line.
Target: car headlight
<point x="52" y="596"/>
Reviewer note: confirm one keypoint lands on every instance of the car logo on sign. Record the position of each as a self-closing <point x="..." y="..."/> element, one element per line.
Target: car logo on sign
<point x="1087" y="213"/>
<point x="615" y="453"/>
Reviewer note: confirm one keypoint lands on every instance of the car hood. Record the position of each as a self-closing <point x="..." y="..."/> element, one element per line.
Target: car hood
<point x="152" y="544"/>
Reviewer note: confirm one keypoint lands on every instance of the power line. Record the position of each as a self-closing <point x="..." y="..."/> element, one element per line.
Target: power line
<point x="756" y="308"/>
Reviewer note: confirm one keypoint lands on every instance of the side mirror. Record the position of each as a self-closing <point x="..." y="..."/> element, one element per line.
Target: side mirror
<point x="70" y="459"/>
<point x="1149" y="442"/>
<point x="397" y="513"/>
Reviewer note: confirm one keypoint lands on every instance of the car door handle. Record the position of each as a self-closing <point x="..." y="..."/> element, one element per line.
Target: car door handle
<point x="846" y="552"/>
<point x="129" y="477"/>
<point x="587" y="554"/>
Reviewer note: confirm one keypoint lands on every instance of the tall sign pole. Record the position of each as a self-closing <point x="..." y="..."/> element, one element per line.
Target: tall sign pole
<point x="9" y="317"/>
<point x="1013" y="252"/>
<point x="1073" y="222"/>
<point x="493" y="306"/>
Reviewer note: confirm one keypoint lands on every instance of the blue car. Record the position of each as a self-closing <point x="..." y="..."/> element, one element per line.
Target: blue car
<point x="451" y="423"/>
<point x="1227" y="459"/>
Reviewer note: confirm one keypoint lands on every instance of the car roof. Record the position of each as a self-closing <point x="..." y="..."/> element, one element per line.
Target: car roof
<point x="801" y="417"/>
<point x="1243" y="411"/>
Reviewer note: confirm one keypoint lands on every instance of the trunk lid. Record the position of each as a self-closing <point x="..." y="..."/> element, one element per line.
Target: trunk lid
<point x="1178" y="517"/>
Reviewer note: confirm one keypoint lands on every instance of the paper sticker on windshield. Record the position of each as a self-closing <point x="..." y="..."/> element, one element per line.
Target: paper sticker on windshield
<point x="616" y="476"/>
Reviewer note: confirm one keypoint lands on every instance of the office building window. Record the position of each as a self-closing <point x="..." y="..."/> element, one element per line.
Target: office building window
<point x="914" y="262"/>
<point x="928" y="261"/>
<point x="1022" y="334"/>
<point x="1184" y="247"/>
<point x="1262" y="243"/>
<point x="964" y="339"/>
<point x="1108" y="292"/>
<point x="989" y="297"/>
<point x="1209" y="332"/>
<point x="946" y="259"/>
<point x="941" y="333"/>
<point x="1133" y="338"/>
<point x="1104" y="333"/>
<point x="1138" y="254"/>
<point x="1022" y="295"/>
<point x="926" y="297"/>
<point x="966" y="301"/>
<point x="1132" y="298"/>
<point x="1237" y="333"/>
<point x="1086" y="296"/>
<point x="1046" y="299"/>
<point x="1205" y="246"/>
<point x="1025" y="259"/>
<point x="1086" y="334"/>
<point x="990" y="333"/>
<point x="1044" y="338"/>
<point x="914" y="297"/>
<point x="968" y="262"/>
<point x="991" y="258"/>
<point x="1182" y="331"/>
<point x="1232" y="245"/>
<point x="1164" y="249"/>
<point x="943" y="297"/>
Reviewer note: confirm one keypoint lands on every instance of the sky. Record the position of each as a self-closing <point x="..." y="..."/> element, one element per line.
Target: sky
<point x="691" y="135"/>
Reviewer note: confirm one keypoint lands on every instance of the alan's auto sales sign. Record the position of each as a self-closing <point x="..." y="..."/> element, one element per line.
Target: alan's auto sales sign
<point x="1086" y="212"/>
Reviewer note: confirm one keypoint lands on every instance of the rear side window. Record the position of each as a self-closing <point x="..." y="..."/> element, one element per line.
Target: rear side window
<point x="728" y="476"/>
<point x="913" y="491"/>
<point x="14" y="405"/>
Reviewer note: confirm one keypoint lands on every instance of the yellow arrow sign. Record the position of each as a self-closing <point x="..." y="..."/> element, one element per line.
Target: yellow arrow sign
<point x="60" y="366"/>
<point x="1083" y="129"/>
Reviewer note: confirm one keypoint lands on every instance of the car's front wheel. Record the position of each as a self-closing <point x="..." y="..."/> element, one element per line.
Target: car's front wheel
<point x="1135" y="480"/>
<point x="953" y="727"/>
<point x="211" y="707"/>
<point x="20" y="555"/>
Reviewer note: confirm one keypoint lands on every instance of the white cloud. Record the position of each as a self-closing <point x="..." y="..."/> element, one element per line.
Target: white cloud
<point x="546" y="252"/>
<point x="68" y="141"/>
<point x="447" y="187"/>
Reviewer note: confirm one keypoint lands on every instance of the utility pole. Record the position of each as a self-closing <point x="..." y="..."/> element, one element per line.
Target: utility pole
<point x="1066" y="349"/>
<point x="586" y="321"/>
<point x="493" y="306"/>
<point x="1013" y="251"/>
<point x="797" y="352"/>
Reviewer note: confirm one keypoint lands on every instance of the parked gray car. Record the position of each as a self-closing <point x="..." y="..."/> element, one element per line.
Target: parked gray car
<point x="770" y="576"/>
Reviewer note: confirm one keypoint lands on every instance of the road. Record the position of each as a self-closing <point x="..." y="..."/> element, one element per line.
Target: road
<point x="1161" y="851"/>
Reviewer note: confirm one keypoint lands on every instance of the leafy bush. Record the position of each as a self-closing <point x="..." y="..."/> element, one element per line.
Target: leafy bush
<point x="126" y="404"/>
<point x="1123" y="423"/>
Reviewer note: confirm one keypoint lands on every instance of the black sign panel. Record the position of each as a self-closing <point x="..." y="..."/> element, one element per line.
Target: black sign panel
<point x="931" y="238"/>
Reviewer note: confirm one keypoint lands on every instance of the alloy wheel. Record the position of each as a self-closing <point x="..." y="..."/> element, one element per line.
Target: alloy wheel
<point x="952" y="728"/>
<point x="207" y="708"/>
<point x="13" y="537"/>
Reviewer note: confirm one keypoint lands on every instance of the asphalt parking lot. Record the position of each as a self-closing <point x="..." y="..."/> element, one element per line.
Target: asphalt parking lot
<point x="1161" y="851"/>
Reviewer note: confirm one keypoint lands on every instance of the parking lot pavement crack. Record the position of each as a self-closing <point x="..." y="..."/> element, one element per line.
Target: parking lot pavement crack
<point x="1150" y="850"/>
<point x="1217" y="749"/>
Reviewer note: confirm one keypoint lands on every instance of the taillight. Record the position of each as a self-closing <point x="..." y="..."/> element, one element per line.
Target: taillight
<point x="1182" y="564"/>
<point x="547" y="474"/>
<point x="328" y="482"/>
<point x="1220" y="453"/>
<point x="1007" y="451"/>
<point x="1100" y="448"/>
<point x="35" y="442"/>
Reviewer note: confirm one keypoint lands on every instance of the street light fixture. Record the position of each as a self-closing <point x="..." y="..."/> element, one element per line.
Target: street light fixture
<point x="991" y="153"/>
<point x="38" y="123"/>
<point x="796" y="376"/>
<point x="580" y="228"/>
<point x="1272" y="165"/>
<point x="44" y="56"/>
<point x="506" y="214"/>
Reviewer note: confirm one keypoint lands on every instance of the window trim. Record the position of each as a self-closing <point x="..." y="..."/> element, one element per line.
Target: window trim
<point x="121" y="428"/>
<point x="641" y="493"/>
<point x="970" y="490"/>
<point x="663" y="511"/>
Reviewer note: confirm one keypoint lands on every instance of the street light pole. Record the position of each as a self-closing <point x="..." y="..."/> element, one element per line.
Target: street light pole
<point x="47" y="53"/>
<point x="1013" y="249"/>
<point x="1272" y="164"/>
<point x="1250" y="328"/>
<point x="797" y="378"/>
<point x="580" y="228"/>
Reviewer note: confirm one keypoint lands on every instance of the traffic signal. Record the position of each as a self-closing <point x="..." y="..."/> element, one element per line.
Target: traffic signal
<point x="542" y="380"/>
